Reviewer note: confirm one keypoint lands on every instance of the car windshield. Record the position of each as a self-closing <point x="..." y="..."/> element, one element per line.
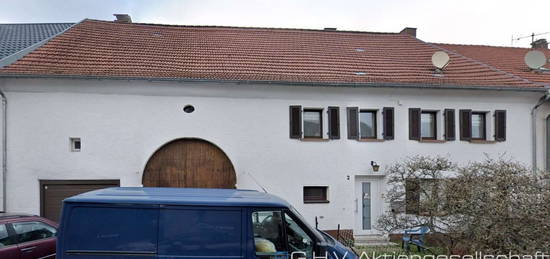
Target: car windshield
<point x="316" y="232"/>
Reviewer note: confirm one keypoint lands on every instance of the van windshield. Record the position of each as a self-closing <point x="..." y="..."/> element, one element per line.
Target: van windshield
<point x="316" y="232"/>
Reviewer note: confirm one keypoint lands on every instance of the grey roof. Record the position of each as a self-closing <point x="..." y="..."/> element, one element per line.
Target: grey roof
<point x="16" y="37"/>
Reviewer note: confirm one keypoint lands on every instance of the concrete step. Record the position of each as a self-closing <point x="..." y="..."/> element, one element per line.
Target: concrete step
<point x="372" y="240"/>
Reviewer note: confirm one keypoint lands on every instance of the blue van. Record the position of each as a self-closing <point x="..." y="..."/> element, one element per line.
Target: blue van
<point x="188" y="223"/>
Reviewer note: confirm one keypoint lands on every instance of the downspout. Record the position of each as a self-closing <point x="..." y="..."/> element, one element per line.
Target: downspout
<point x="4" y="148"/>
<point x="542" y="100"/>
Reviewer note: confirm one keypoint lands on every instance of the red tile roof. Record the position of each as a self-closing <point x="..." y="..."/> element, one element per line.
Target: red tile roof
<point x="508" y="59"/>
<point x="145" y="51"/>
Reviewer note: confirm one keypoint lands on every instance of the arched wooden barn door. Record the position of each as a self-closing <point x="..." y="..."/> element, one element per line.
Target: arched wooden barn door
<point x="192" y="163"/>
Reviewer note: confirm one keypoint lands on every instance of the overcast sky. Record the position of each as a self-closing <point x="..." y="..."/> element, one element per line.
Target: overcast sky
<point x="488" y="22"/>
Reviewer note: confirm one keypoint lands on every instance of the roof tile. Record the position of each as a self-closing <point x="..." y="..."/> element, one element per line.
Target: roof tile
<point x="508" y="59"/>
<point x="115" y="50"/>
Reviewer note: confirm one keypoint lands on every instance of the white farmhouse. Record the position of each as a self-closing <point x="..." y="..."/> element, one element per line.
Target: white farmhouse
<point x="304" y="114"/>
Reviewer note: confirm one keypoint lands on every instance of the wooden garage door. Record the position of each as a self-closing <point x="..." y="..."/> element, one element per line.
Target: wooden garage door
<point x="192" y="163"/>
<point x="53" y="192"/>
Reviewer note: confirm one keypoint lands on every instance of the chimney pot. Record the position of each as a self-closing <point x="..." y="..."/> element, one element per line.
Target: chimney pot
<point x="409" y="31"/>
<point x="123" y="18"/>
<point x="540" y="44"/>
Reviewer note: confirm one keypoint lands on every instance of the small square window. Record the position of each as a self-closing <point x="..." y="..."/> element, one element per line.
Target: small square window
<point x="315" y="194"/>
<point x="313" y="123"/>
<point x="367" y="124"/>
<point x="478" y="125"/>
<point x="76" y="144"/>
<point x="428" y="125"/>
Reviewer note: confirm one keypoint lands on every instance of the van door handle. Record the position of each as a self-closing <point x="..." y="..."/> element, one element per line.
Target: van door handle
<point x="28" y="249"/>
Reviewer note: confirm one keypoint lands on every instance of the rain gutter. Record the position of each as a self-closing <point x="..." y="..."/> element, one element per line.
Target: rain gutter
<point x="4" y="149"/>
<point x="293" y="83"/>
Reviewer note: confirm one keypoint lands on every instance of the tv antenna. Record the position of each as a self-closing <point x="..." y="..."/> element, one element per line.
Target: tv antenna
<point x="532" y="35"/>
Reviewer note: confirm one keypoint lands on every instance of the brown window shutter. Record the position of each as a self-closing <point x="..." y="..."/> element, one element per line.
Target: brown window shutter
<point x="450" y="131"/>
<point x="500" y="125"/>
<point x="296" y="121"/>
<point x="465" y="124"/>
<point x="412" y="196"/>
<point x="353" y="122"/>
<point x="388" y="123"/>
<point x="334" y="122"/>
<point x="414" y="123"/>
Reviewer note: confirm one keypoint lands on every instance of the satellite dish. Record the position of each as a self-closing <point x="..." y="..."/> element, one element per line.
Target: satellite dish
<point x="535" y="59"/>
<point x="440" y="59"/>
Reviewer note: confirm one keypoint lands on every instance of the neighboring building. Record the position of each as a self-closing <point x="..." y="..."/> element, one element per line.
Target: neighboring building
<point x="301" y="113"/>
<point x="511" y="60"/>
<point x="17" y="40"/>
<point x="17" y="37"/>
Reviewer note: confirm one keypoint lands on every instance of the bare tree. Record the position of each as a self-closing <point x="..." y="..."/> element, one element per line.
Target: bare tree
<point x="492" y="206"/>
<point x="502" y="207"/>
<point x="414" y="194"/>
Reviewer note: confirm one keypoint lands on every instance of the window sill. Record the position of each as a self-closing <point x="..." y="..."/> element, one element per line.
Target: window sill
<point x="315" y="139"/>
<point x="432" y="141"/>
<point x="370" y="140"/>
<point x="482" y="141"/>
<point x="313" y="202"/>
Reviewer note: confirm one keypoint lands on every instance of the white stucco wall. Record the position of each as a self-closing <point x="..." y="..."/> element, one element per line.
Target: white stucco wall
<point x="122" y="123"/>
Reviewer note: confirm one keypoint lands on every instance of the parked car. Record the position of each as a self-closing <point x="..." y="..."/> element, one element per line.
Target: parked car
<point x="190" y="223"/>
<point x="26" y="237"/>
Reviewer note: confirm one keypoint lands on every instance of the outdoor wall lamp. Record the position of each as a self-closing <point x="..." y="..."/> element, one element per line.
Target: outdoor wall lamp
<point x="375" y="166"/>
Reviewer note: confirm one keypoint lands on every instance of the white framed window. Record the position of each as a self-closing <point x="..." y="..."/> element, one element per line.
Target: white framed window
<point x="479" y="125"/>
<point x="313" y="123"/>
<point x="316" y="194"/>
<point x="368" y="124"/>
<point x="76" y="144"/>
<point x="428" y="125"/>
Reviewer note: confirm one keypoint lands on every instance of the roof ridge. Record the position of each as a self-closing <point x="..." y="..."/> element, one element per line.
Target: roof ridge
<point x="244" y="27"/>
<point x="514" y="76"/>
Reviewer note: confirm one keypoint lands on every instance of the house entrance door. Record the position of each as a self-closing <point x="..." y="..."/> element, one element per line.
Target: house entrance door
<point x="369" y="204"/>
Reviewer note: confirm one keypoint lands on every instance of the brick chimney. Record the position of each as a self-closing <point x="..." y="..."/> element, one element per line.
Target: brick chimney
<point x="540" y="44"/>
<point x="409" y="31"/>
<point x="123" y="18"/>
